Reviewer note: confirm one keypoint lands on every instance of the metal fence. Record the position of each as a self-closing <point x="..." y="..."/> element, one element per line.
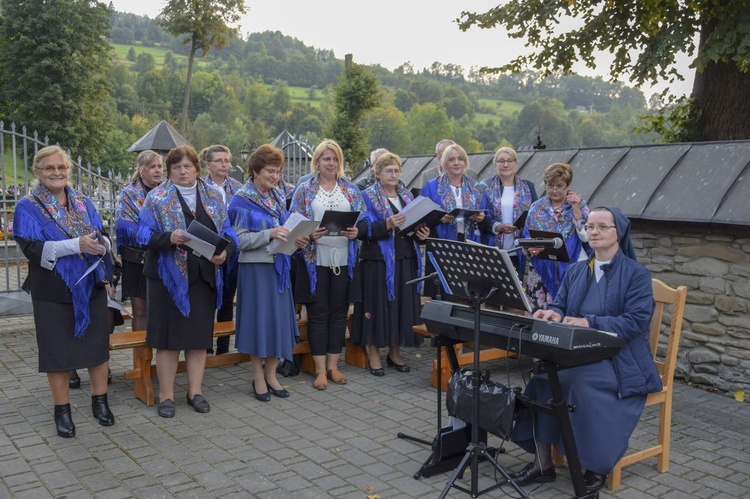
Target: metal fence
<point x="17" y="150"/>
<point x="297" y="157"/>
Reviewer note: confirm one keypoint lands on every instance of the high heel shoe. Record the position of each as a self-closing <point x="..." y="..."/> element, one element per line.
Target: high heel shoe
<point x="64" y="421"/>
<point x="402" y="368"/>
<point x="100" y="409"/>
<point x="263" y="397"/>
<point x="75" y="380"/>
<point x="379" y="372"/>
<point x="281" y="393"/>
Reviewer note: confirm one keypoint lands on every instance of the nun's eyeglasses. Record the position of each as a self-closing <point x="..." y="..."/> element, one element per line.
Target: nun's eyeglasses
<point x="600" y="227"/>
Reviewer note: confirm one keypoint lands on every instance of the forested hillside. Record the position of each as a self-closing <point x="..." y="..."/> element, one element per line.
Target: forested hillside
<point x="255" y="88"/>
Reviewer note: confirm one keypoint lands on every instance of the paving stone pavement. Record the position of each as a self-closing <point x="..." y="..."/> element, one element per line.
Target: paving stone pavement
<point x="340" y="443"/>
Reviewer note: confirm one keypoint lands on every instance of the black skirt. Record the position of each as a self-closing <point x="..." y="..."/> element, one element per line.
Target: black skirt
<point x="168" y="329"/>
<point x="59" y="349"/>
<point x="377" y="321"/>
<point x="133" y="281"/>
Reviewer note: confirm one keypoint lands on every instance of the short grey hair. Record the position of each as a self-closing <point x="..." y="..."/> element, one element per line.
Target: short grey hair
<point x="374" y="155"/>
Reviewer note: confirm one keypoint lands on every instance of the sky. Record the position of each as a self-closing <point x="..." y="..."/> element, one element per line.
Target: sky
<point x="389" y="32"/>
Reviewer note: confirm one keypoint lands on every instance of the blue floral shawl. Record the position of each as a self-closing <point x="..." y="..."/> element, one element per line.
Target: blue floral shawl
<point x="522" y="200"/>
<point x="127" y="211"/>
<point x="543" y="216"/>
<point x="379" y="209"/>
<point x="302" y="203"/>
<point x="472" y="196"/>
<point x="162" y="212"/>
<point x="250" y="210"/>
<point x="49" y="221"/>
<point x="231" y="186"/>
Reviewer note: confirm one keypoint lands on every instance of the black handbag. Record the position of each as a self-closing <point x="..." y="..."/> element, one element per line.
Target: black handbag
<point x="497" y="403"/>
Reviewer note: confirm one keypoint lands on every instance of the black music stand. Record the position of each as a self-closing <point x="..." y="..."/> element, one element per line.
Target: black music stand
<point x="477" y="272"/>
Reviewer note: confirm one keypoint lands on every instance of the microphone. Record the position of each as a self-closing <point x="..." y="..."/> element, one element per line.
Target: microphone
<point x="555" y="243"/>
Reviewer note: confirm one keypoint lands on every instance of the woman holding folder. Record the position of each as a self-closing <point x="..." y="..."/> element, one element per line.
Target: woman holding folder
<point x="183" y="289"/>
<point x="328" y="260"/>
<point x="389" y="307"/>
<point x="266" y="319"/>
<point x="454" y="189"/>
<point x="508" y="197"/>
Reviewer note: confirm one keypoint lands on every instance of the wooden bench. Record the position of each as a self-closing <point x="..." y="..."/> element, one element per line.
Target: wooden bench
<point x="144" y="370"/>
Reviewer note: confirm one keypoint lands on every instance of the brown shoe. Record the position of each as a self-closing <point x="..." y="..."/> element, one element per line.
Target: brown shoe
<point x="321" y="382"/>
<point x="337" y="377"/>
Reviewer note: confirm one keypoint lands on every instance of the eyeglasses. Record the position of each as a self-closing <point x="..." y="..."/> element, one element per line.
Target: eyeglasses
<point x="558" y="187"/>
<point x="53" y="169"/>
<point x="273" y="173"/>
<point x="224" y="161"/>
<point x="185" y="167"/>
<point x="392" y="171"/>
<point x="505" y="161"/>
<point x="600" y="227"/>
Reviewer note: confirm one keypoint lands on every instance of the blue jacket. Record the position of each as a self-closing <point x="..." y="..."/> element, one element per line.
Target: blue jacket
<point x="629" y="306"/>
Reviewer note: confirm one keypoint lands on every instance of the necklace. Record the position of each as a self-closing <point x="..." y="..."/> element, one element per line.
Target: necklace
<point x="329" y="199"/>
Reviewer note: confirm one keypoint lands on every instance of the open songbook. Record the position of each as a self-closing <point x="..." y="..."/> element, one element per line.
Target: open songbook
<point x="299" y="226"/>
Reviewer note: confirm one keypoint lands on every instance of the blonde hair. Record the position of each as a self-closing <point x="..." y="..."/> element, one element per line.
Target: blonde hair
<point x="461" y="152"/>
<point x="48" y="151"/>
<point x="143" y="161"/>
<point x="327" y="144"/>
<point x="207" y="153"/>
<point x="387" y="159"/>
<point x="506" y="150"/>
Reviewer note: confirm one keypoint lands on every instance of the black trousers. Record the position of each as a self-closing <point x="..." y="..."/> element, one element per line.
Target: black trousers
<point x="226" y="312"/>
<point x="326" y="316"/>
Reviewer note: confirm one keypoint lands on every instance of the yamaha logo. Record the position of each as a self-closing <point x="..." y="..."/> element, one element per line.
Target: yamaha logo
<point x="545" y="338"/>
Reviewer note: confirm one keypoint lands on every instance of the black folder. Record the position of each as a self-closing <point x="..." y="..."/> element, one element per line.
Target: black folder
<point x="521" y="220"/>
<point x="200" y="231"/>
<point x="463" y="212"/>
<point x="336" y="221"/>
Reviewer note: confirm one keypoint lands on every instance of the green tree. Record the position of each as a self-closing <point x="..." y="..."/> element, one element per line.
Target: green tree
<point x="205" y="24"/>
<point x="387" y="127"/>
<point x="131" y="54"/>
<point x="54" y="70"/>
<point x="357" y="91"/>
<point x="644" y="38"/>
<point x="428" y="123"/>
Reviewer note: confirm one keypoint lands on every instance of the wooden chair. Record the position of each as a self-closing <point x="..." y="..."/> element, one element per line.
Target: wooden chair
<point x="663" y="296"/>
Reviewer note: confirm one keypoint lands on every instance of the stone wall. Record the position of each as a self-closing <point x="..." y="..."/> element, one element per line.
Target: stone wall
<point x="713" y="261"/>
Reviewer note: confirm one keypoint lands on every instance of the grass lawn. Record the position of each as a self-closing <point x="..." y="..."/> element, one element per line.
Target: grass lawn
<point x="504" y="108"/>
<point x="302" y="94"/>
<point x="121" y="52"/>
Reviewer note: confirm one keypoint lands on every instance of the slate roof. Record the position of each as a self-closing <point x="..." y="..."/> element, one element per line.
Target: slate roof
<point x="161" y="138"/>
<point x="688" y="182"/>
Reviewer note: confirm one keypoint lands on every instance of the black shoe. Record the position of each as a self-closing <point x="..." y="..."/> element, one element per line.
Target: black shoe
<point x="199" y="403"/>
<point x="531" y="473"/>
<point x="282" y="394"/>
<point x="64" y="421"/>
<point x="100" y="409"/>
<point x="166" y="409"/>
<point x="594" y="481"/>
<point x="377" y="372"/>
<point x="263" y="397"/>
<point x="402" y="368"/>
<point x="75" y="380"/>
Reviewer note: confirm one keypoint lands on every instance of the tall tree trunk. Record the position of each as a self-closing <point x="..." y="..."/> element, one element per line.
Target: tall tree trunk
<point x="188" y="83"/>
<point x="722" y="106"/>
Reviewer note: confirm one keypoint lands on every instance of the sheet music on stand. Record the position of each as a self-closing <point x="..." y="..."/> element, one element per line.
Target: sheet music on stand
<point x="478" y="265"/>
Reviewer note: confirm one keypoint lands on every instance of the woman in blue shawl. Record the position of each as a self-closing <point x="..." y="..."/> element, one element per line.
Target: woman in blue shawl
<point x="327" y="261"/>
<point x="389" y="308"/>
<point x="266" y="319"/>
<point x="184" y="289"/>
<point x="610" y="292"/>
<point x="559" y="210"/>
<point x="59" y="232"/>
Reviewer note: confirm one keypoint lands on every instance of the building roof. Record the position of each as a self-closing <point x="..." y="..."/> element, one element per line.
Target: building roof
<point x="161" y="138"/>
<point x="687" y="182"/>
